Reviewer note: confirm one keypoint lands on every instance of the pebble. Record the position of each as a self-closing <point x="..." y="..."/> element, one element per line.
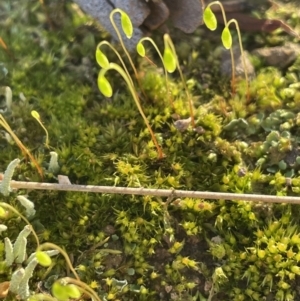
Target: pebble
<point x="279" y="56"/>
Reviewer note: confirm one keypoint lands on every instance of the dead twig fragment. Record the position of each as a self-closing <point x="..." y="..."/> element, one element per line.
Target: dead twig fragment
<point x="156" y="192"/>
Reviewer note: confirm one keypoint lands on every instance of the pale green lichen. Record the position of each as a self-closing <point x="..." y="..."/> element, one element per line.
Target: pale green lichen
<point x="8" y="174"/>
<point x="16" y="278"/>
<point x="53" y="164"/>
<point x="23" y="288"/>
<point x="29" y="205"/>
<point x="19" y="247"/>
<point x="9" y="252"/>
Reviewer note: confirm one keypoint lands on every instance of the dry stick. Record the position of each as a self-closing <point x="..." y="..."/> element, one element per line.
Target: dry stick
<point x="156" y="192"/>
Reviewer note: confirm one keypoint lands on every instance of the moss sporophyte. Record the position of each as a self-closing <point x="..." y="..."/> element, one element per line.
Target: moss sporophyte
<point x="168" y="58"/>
<point x="104" y="84"/>
<point x="210" y="21"/>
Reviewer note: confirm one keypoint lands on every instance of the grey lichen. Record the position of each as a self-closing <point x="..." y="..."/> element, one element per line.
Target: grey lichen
<point x="20" y="245"/>
<point x="9" y="252"/>
<point x="16" y="278"/>
<point x="23" y="289"/>
<point x="5" y="184"/>
<point x="53" y="164"/>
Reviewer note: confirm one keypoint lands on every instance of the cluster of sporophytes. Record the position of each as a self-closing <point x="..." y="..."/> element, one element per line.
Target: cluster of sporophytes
<point x="170" y="63"/>
<point x="147" y="248"/>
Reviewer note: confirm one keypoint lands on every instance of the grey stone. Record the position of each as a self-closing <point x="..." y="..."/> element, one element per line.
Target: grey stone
<point x="238" y="63"/>
<point x="101" y="9"/>
<point x="185" y="15"/>
<point x="279" y="56"/>
<point x="145" y="15"/>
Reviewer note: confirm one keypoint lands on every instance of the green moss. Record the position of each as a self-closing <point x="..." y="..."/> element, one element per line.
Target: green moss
<point x="156" y="249"/>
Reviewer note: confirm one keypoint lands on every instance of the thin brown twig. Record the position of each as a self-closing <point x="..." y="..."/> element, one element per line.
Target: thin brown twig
<point x="156" y="192"/>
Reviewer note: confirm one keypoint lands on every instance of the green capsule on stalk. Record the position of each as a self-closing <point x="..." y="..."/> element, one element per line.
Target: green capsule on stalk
<point x="226" y="38"/>
<point x="209" y="19"/>
<point x="104" y="86"/>
<point x="126" y="25"/>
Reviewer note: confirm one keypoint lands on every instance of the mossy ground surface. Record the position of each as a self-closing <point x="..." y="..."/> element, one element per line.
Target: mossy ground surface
<point x="186" y="249"/>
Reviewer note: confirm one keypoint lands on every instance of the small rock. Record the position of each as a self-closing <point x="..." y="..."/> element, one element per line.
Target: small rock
<point x="145" y="15"/>
<point x="238" y="62"/>
<point x="109" y="230"/>
<point x="185" y="15"/>
<point x="100" y="10"/>
<point x="159" y="14"/>
<point x="279" y="56"/>
<point x="63" y="180"/>
<point x="182" y="124"/>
